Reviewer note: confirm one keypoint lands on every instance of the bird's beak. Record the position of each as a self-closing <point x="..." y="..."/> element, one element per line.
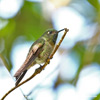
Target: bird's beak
<point x="60" y="30"/>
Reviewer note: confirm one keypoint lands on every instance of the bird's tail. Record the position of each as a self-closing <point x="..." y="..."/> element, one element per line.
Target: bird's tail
<point x="19" y="77"/>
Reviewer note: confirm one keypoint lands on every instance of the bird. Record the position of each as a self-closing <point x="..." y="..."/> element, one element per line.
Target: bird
<point x="38" y="52"/>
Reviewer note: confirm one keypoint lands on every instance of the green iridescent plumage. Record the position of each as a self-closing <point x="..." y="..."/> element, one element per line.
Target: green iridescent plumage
<point x="38" y="53"/>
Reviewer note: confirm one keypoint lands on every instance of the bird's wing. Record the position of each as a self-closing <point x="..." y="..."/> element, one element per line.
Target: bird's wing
<point x="34" y="52"/>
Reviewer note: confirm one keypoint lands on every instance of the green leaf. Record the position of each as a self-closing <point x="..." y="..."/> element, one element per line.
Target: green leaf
<point x="2" y="44"/>
<point x="95" y="3"/>
<point x="97" y="97"/>
<point x="8" y="29"/>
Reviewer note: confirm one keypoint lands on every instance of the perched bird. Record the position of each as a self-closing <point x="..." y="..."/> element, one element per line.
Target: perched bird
<point x="38" y="53"/>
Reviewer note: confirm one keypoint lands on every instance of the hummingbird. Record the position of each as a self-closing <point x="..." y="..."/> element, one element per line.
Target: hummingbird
<point x="38" y="53"/>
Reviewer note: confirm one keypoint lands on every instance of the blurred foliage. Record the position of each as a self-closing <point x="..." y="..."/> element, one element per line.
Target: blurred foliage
<point x="28" y="23"/>
<point x="95" y="3"/>
<point x="89" y="50"/>
<point x="97" y="97"/>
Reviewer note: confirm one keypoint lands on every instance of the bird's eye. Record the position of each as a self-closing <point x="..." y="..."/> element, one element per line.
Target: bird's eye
<point x="50" y="32"/>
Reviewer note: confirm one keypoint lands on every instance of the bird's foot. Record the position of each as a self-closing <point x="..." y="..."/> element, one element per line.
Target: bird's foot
<point x="38" y="70"/>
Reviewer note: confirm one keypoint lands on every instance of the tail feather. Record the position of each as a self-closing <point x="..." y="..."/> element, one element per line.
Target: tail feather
<point x="19" y="78"/>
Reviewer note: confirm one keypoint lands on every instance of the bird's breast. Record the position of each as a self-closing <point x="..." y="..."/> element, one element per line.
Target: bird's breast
<point x="47" y="50"/>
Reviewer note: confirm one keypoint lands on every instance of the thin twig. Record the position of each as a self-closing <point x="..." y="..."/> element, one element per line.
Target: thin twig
<point x="37" y="71"/>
